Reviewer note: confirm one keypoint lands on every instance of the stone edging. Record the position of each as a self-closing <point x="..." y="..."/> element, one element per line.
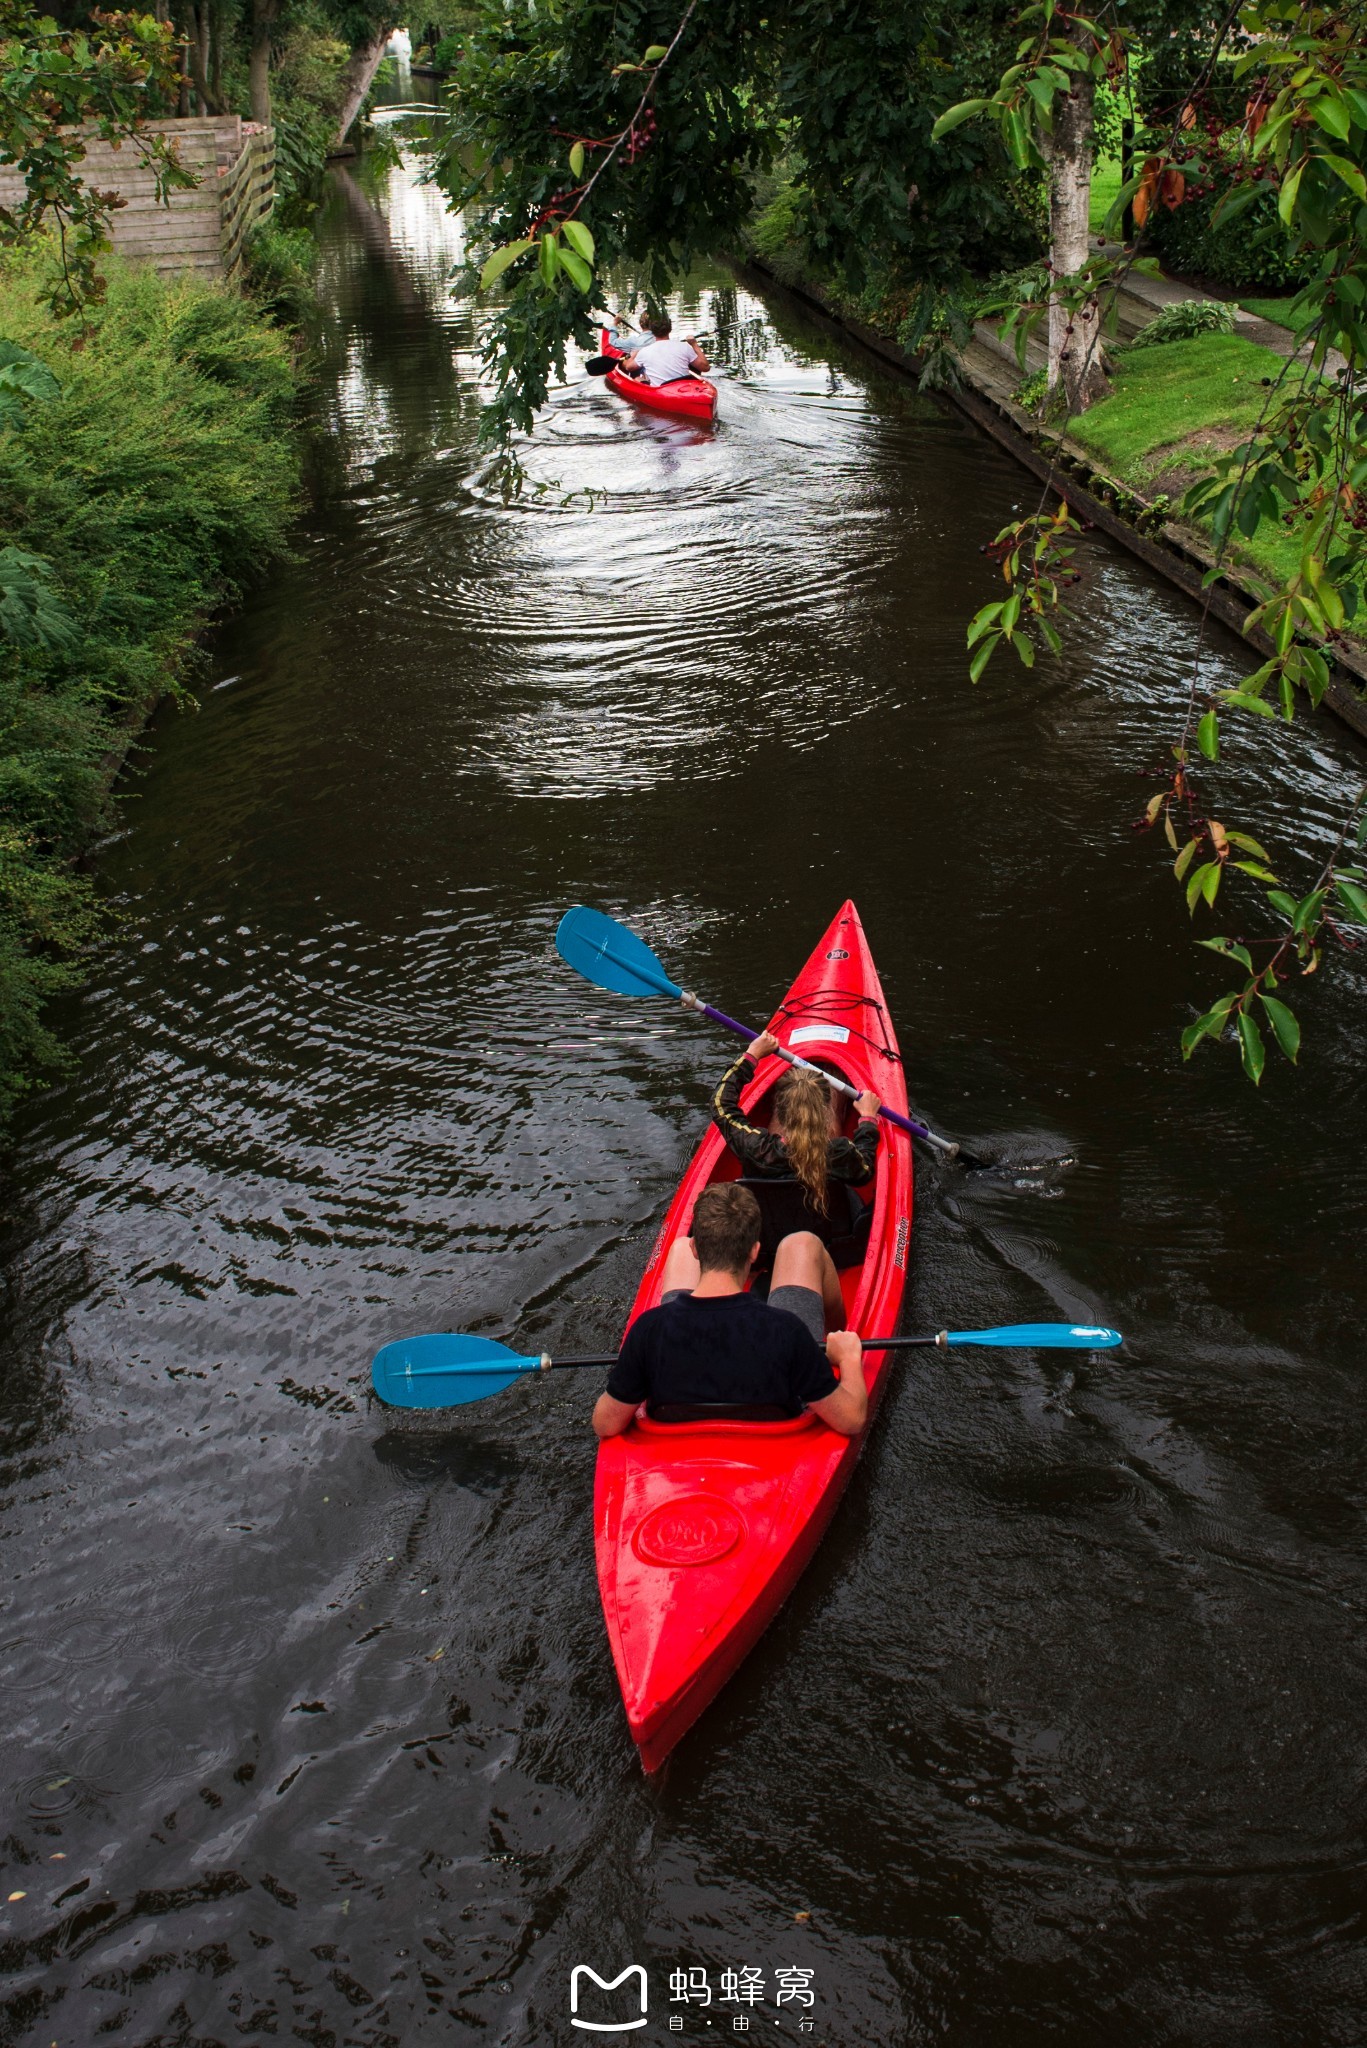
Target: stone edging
<point x="1170" y="549"/>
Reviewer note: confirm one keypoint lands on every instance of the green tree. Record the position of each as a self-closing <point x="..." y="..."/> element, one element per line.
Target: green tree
<point x="365" y="27"/>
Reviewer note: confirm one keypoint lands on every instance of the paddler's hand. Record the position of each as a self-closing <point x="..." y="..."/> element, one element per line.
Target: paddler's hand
<point x="846" y="1354"/>
<point x="847" y="1409"/>
<point x="760" y="1048"/>
<point x="866" y="1104"/>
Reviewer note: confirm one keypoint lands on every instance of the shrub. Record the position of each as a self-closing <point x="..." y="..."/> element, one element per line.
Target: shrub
<point x="1250" y="254"/>
<point x="1181" y="322"/>
<point x="777" y="226"/>
<point x="47" y="916"/>
<point x="1034" y="396"/>
<point x="303" y="136"/>
<point x="150" y="488"/>
<point x="278" y="271"/>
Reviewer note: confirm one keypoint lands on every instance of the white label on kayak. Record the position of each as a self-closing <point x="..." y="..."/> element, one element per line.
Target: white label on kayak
<point x="808" y="1034"/>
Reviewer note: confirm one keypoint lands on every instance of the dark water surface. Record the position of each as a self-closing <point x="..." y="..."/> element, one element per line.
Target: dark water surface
<point x="311" y="1729"/>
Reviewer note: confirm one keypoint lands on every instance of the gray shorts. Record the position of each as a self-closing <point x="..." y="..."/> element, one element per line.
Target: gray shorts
<point x="803" y="1302"/>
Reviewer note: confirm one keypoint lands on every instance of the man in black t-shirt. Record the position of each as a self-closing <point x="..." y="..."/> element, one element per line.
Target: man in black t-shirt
<point x="709" y="1341"/>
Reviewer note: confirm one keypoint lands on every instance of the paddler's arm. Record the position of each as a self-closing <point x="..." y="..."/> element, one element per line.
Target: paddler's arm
<point x="855" y="1160"/>
<point x="847" y="1409"/>
<point x="700" y="361"/>
<point x="611" y="1417"/>
<point x="615" y="1409"/>
<point x="751" y="1145"/>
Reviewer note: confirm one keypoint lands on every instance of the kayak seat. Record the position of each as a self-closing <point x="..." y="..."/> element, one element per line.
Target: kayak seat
<point x="675" y="1412"/>
<point x="724" y="1419"/>
<point x="784" y="1207"/>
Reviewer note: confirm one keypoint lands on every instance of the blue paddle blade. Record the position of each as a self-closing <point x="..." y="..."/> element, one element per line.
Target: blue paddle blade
<point x="610" y="956"/>
<point x="443" y="1371"/>
<point x="1041" y="1337"/>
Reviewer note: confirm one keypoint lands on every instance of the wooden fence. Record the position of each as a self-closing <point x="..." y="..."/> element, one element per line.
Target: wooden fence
<point x="202" y="229"/>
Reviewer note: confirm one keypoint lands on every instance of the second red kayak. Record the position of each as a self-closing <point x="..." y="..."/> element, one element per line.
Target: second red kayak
<point x="686" y="398"/>
<point x="702" y="1529"/>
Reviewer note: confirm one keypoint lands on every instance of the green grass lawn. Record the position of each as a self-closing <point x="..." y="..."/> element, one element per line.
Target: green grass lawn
<point x="1278" y="310"/>
<point x="1174" y="408"/>
<point x="1105" y="186"/>
<point x="1212" y="384"/>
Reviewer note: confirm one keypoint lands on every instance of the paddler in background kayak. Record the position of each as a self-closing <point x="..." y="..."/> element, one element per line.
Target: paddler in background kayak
<point x="663" y="360"/>
<point x="620" y="332"/>
<point x="710" y="1342"/>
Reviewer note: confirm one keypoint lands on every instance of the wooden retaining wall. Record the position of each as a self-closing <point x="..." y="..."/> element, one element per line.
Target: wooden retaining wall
<point x="202" y="229"/>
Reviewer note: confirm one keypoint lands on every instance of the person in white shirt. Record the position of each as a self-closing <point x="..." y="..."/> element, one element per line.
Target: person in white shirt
<point x="663" y="360"/>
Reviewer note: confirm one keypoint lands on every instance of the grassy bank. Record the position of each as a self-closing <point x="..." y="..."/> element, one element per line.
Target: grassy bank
<point x="1175" y="407"/>
<point x="1172" y="406"/>
<point x="154" y="484"/>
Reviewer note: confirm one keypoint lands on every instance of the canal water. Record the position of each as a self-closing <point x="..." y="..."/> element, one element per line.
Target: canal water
<point x="310" y="1728"/>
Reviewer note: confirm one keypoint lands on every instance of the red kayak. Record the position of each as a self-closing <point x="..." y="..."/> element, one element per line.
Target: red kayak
<point x="688" y="398"/>
<point x="702" y="1529"/>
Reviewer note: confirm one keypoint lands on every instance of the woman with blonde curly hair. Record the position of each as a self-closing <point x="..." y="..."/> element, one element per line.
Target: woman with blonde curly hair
<point x="804" y="1142"/>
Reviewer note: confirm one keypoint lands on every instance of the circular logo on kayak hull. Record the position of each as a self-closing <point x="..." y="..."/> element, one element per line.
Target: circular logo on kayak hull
<point x="837" y="953"/>
<point x="696" y="1529"/>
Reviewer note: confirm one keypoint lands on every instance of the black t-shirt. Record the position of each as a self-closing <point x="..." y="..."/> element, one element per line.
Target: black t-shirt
<point x="724" y="1347"/>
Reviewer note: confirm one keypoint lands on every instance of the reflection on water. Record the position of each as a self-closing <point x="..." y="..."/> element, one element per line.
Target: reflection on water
<point x="312" y="1731"/>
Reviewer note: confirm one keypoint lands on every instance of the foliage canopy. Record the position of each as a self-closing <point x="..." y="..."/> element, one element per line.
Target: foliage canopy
<point x="575" y="114"/>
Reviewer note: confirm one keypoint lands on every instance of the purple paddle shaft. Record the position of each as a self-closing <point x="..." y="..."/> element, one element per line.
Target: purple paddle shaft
<point x="903" y="1123"/>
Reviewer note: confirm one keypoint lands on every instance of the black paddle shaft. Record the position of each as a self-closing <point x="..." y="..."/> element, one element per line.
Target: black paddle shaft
<point x="602" y="1358"/>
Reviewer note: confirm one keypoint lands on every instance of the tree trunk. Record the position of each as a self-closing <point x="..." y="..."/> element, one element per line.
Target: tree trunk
<point x="259" y="60"/>
<point x="210" y="99"/>
<point x="201" y="50"/>
<point x="357" y="73"/>
<point x="1075" y="356"/>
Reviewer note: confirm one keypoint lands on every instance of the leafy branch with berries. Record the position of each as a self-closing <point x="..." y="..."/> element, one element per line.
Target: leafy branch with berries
<point x="585" y="147"/>
<point x="561" y="240"/>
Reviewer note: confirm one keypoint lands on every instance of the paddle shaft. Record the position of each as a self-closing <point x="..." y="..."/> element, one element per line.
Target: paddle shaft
<point x="602" y="1358"/>
<point x="638" y="972"/>
<point x="892" y="1116"/>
